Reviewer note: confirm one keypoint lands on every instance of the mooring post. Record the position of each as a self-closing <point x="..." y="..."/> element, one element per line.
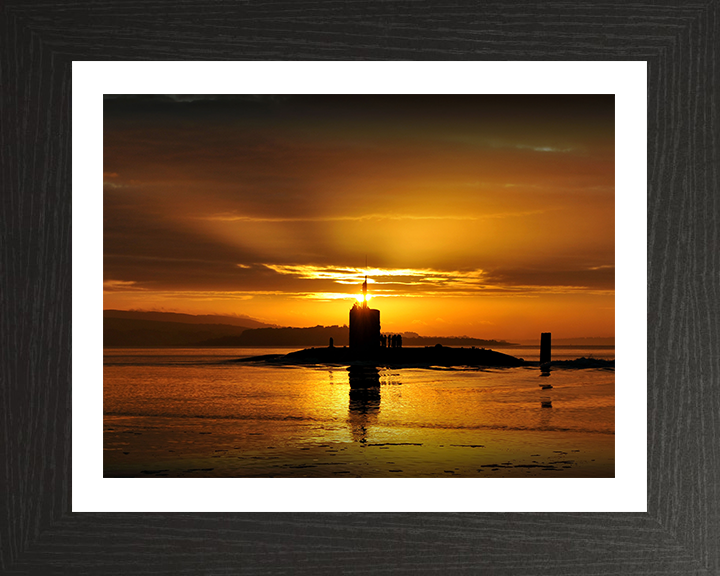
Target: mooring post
<point x="545" y="347"/>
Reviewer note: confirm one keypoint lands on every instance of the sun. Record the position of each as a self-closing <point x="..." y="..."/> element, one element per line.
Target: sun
<point x="363" y="298"/>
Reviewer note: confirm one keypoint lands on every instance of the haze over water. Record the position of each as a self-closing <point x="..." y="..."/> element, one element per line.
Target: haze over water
<point x="191" y="412"/>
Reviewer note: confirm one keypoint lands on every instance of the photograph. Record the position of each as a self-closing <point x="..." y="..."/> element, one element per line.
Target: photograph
<point x="358" y="286"/>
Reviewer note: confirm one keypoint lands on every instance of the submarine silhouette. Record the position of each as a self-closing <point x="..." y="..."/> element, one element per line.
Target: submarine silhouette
<point x="369" y="346"/>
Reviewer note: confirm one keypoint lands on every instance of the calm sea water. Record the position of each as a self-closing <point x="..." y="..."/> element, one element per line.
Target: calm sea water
<point x="192" y="412"/>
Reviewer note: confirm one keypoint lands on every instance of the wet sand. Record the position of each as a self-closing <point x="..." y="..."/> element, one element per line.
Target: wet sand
<point x="222" y="449"/>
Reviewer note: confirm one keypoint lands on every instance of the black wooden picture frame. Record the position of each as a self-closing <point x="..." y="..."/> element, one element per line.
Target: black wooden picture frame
<point x="680" y="533"/>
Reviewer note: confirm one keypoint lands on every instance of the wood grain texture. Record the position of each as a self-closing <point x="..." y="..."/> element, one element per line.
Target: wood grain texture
<point x="681" y="532"/>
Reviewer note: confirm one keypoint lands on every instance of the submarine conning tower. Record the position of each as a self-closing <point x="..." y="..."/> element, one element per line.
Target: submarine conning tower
<point x="364" y="325"/>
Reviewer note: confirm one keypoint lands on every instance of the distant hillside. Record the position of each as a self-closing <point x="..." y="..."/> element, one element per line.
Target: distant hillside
<point x="132" y="328"/>
<point x="305" y="337"/>
<point x="244" y="321"/>
<point x="130" y="332"/>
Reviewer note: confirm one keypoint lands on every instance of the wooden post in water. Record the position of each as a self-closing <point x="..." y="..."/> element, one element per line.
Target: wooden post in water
<point x="545" y="348"/>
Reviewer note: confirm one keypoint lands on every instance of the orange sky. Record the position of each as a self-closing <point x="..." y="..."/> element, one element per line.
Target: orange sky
<point x="486" y="216"/>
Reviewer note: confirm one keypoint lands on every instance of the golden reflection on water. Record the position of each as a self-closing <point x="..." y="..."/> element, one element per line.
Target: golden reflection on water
<point x="241" y="420"/>
<point x="364" y="406"/>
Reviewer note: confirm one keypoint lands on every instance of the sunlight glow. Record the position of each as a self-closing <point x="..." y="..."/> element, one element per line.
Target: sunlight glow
<point x="381" y="276"/>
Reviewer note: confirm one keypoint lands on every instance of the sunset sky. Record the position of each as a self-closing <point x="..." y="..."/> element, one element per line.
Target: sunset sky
<point x="486" y="216"/>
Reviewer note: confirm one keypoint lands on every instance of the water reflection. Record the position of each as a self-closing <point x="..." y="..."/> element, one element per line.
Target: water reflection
<point x="546" y="419"/>
<point x="545" y="372"/>
<point x="364" y="405"/>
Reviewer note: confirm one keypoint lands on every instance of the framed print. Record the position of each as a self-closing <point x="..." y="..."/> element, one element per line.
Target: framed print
<point x="677" y="530"/>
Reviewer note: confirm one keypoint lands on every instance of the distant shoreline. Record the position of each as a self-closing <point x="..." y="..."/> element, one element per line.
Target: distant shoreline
<point x="136" y="329"/>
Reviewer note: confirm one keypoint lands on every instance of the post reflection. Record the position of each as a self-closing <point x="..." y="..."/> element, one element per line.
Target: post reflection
<point x="364" y="406"/>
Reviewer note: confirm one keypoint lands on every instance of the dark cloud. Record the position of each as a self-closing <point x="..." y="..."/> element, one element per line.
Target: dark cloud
<point x="593" y="278"/>
<point x="521" y="186"/>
